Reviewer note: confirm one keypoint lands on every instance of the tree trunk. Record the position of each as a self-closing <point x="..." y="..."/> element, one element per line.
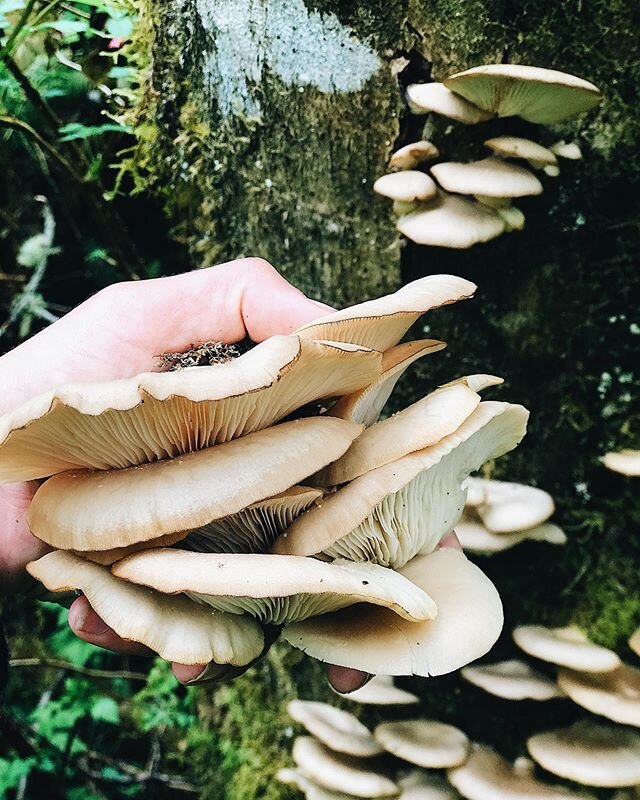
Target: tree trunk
<point x="266" y="124"/>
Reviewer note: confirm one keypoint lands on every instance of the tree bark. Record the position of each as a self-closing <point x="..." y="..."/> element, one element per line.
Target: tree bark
<point x="266" y="124"/>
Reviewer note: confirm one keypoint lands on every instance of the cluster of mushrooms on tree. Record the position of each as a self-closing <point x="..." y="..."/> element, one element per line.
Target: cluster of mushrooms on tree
<point x="460" y="204"/>
<point x="192" y="514"/>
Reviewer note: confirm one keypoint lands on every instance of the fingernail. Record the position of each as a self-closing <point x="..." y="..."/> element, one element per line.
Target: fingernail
<point x="215" y="673"/>
<point x="83" y="619"/>
<point x="364" y="682"/>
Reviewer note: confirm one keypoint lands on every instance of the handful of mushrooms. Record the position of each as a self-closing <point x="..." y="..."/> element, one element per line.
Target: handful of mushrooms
<point x="191" y="515"/>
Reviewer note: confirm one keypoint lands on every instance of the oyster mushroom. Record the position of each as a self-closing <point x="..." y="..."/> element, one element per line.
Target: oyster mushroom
<point x="626" y="462"/>
<point x="174" y="627"/>
<point x="517" y="147"/>
<point x="403" y="508"/>
<point x="543" y="96"/>
<point x="275" y="589"/>
<point x="567" y="647"/>
<point x="157" y="416"/>
<point x="381" y="691"/>
<point x="491" y="177"/>
<point x="513" y="680"/>
<point x="337" y="729"/>
<point x="435" y="97"/>
<point x="615" y="694"/>
<point x="101" y="510"/>
<point x="507" y="507"/>
<point x="407" y="186"/>
<point x="377" y="641"/>
<point x="476" y="538"/>
<point x="381" y="323"/>
<point x="590" y="753"/>
<point x="424" y="742"/>
<point x="411" y="155"/>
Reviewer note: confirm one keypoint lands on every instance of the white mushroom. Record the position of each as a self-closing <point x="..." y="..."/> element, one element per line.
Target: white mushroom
<point x="626" y="462"/>
<point x="567" y="647"/>
<point x="517" y="147"/>
<point x="424" y="742"/>
<point x="337" y="729"/>
<point x="507" y="507"/>
<point x="513" y="680"/>
<point x="407" y="186"/>
<point x="411" y="155"/>
<point x="426" y="97"/>
<point x="615" y="694"/>
<point x="490" y="177"/>
<point x="381" y="691"/>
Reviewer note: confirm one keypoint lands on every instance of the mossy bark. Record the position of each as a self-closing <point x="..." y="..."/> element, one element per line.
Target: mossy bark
<point x="271" y="121"/>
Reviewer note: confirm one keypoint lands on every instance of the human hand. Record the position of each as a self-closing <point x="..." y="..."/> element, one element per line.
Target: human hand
<point x="117" y="334"/>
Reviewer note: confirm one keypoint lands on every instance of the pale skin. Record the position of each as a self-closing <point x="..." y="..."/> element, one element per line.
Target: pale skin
<point x="118" y="333"/>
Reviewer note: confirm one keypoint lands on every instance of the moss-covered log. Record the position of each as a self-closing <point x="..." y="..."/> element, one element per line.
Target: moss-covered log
<point x="266" y="123"/>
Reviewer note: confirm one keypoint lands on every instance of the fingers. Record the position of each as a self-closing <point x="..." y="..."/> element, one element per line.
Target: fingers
<point x="122" y="330"/>
<point x="451" y="540"/>
<point x="198" y="674"/>
<point x="345" y="679"/>
<point x="88" y="626"/>
<point x="17" y="545"/>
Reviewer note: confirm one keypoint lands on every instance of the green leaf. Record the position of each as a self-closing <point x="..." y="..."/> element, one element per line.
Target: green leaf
<point x="105" y="709"/>
<point x="67" y="27"/>
<point x="76" y="130"/>
<point x="12" y="771"/>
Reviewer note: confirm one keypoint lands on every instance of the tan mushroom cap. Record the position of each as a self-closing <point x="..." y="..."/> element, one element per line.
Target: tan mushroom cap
<point x="403" y="508"/>
<point x="513" y="217"/>
<point x="174" y="627"/>
<point x="517" y="147"/>
<point x="411" y="155"/>
<point x="634" y="642"/>
<point x="538" y="95"/>
<point x="101" y="510"/>
<point x="407" y="186"/>
<point x="276" y="589"/>
<point x="452" y="222"/>
<point x="590" y="753"/>
<point x="155" y="416"/>
<point x="381" y="323"/>
<point x="426" y="97"/>
<point x="418" y="785"/>
<point x="567" y="647"/>
<point x="615" y="694"/>
<point x="513" y="680"/>
<point x="421" y="425"/>
<point x="381" y="691"/>
<point x="568" y="150"/>
<point x="337" y="729"/>
<point x="507" y="507"/>
<point x="340" y="772"/>
<point x="310" y="789"/>
<point x="365" y="405"/>
<point x="490" y="177"/>
<point x="251" y="530"/>
<point x="424" y="742"/>
<point x="475" y="538"/>
<point x="626" y="462"/>
<point x="374" y="640"/>
<point x="487" y="776"/>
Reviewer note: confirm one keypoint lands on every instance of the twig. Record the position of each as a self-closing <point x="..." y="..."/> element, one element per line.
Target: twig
<point x="13" y="278"/>
<point x="131" y="773"/>
<point x="32" y="94"/>
<point x="88" y="671"/>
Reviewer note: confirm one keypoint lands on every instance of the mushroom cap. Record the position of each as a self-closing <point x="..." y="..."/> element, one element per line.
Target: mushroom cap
<point x="426" y="97"/>
<point x="339" y="730"/>
<point x="251" y="530"/>
<point x="381" y="691"/>
<point x="341" y="772"/>
<point x="627" y="462"/>
<point x="365" y="405"/>
<point x="424" y="742"/>
<point x="310" y="789"/>
<point x="490" y="177"/>
<point x="276" y="589"/>
<point x="411" y="155"/>
<point x="374" y="640"/>
<point x="568" y="150"/>
<point x="381" y="323"/>
<point x="590" y="753"/>
<point x="508" y="507"/>
<point x="421" y="425"/>
<point x="538" y="95"/>
<point x="155" y="416"/>
<point x="407" y="186"/>
<point x="513" y="217"/>
<point x="83" y="510"/>
<point x="475" y="538"/>
<point x="174" y="627"/>
<point x="517" y="147"/>
<point x="487" y="776"/>
<point x="513" y="680"/>
<point x="568" y="647"/>
<point x="452" y="222"/>
<point x="418" y="785"/>
<point x="634" y="642"/>
<point x="615" y="694"/>
<point x="403" y="508"/>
